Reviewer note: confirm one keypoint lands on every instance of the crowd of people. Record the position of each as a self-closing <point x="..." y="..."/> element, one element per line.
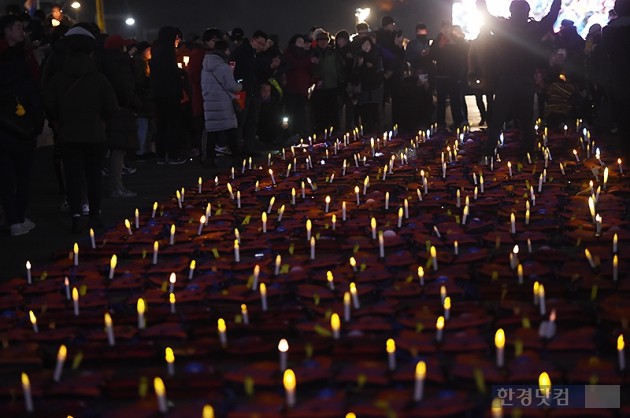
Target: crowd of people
<point x="110" y="99"/>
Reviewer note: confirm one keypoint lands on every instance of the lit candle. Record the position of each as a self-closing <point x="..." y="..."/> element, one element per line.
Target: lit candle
<point x="172" y="279"/>
<point x="512" y="223"/>
<point x="207" y="412"/>
<point x="589" y="257"/>
<point x="615" y="267"/>
<point x="33" y="319"/>
<point x="160" y="393"/>
<point x="433" y="252"/>
<point x="406" y="208"/>
<point x="366" y="183"/>
<point x="309" y="228"/>
<point x="244" y="314"/>
<point x="237" y="254"/>
<point x="353" y="264"/>
<point x="346" y="306"/>
<point x="330" y="280"/>
<point x="75" y="301"/>
<point x="283" y="348"/>
<point x="293" y="196"/>
<point x="263" y="219"/>
<point x="26" y="389"/>
<point x="497" y="408"/>
<point x="400" y="217"/>
<point x="179" y="198"/>
<point x="312" y="248"/>
<point x="605" y="177"/>
<point x="519" y="272"/>
<point x="191" y="269"/>
<point x="281" y="212"/>
<point x="334" y="222"/>
<point x="278" y="263"/>
<point x="271" y="203"/>
<point x="29" y="279"/>
<point x="598" y="224"/>
<point x="66" y="285"/>
<point x="327" y="200"/>
<point x="199" y="182"/>
<point x="421" y="373"/>
<point x="381" y="245"/>
<point x="386" y="200"/>
<point x="263" y="296"/>
<point x="439" y="326"/>
<point x="155" y="206"/>
<point x="172" y="300"/>
<point x="481" y="183"/>
<point x="591" y="207"/>
<point x="335" y="325"/>
<point x="620" y="167"/>
<point x="615" y="242"/>
<point x="447" y="307"/>
<point x="575" y="153"/>
<point x="172" y="237"/>
<point x="141" y="308"/>
<point x="112" y="266"/>
<point x="544" y="384"/>
<point x="238" y="200"/>
<point x="541" y="299"/>
<point x="499" y="343"/>
<point x="458" y="199"/>
<point x="221" y="330"/>
<point x="92" y="240"/>
<point x="354" y="295"/>
<point x="343" y="211"/>
<point x="465" y="214"/>
<point x="620" y="352"/>
<point x="202" y="222"/>
<point x="390" y="346"/>
<point x="208" y="212"/>
<point x="109" y="330"/>
<point x="288" y="380"/>
<point x="256" y="277"/>
<point x="509" y="166"/>
<point x="421" y="275"/>
<point x="128" y="227"/>
<point x="303" y="191"/>
<point x="169" y="356"/>
<point x="356" y="192"/>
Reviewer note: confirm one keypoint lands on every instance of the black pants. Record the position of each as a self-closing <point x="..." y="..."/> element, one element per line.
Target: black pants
<point x="448" y="86"/>
<point x="168" y="115"/>
<point x="248" y="122"/>
<point x="16" y="164"/>
<point x="325" y="109"/>
<point x="296" y="105"/>
<point x="513" y="96"/>
<point x="82" y="163"/>
<point x="370" y="117"/>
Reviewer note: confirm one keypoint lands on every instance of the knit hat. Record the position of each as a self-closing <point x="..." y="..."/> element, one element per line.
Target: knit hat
<point x="387" y="20"/>
<point x="79" y="31"/>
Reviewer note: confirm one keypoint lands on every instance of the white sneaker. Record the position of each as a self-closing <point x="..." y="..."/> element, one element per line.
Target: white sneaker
<point x="30" y="225"/>
<point x="19" y="229"/>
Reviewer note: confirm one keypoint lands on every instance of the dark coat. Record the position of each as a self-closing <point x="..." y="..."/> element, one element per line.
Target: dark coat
<point x="298" y="72"/>
<point x="78" y="100"/>
<point x="142" y="81"/>
<point x="251" y="67"/>
<point x="370" y="76"/>
<point x="166" y="76"/>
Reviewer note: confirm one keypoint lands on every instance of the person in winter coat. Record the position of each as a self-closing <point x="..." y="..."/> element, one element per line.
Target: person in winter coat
<point x="142" y="80"/>
<point x="218" y="87"/>
<point x="298" y="76"/>
<point x="167" y="91"/>
<point x="368" y="66"/>
<point x="78" y="100"/>
<point x="329" y="76"/>
<point x="19" y="96"/>
<point x="122" y="127"/>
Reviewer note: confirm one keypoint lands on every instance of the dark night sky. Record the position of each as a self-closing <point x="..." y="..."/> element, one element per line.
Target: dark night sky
<point x="284" y="17"/>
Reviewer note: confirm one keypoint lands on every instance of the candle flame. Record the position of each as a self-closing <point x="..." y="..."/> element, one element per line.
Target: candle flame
<point x="221" y="325"/>
<point x="169" y="356"/>
<point x="158" y="386"/>
<point x="32" y="317"/>
<point x="335" y="322"/>
<point x="202" y="220"/>
<point x="75" y="248"/>
<point x="390" y="346"/>
<point x="421" y="370"/>
<point x="499" y="338"/>
<point x="108" y="320"/>
<point x="171" y="298"/>
<point x="208" y="412"/>
<point x="28" y="265"/>
<point x="156" y="246"/>
<point x="439" y="324"/>
<point x="447" y="302"/>
<point x="75" y="294"/>
<point x="283" y="346"/>
<point x="172" y="278"/>
<point x="62" y="353"/>
<point x="288" y="380"/>
<point x="141" y="306"/>
<point x="620" y="343"/>
<point x="26" y="382"/>
<point x="544" y="383"/>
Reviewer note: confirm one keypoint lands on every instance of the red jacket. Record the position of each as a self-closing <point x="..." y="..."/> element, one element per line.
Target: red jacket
<point x="194" y="75"/>
<point x="298" y="72"/>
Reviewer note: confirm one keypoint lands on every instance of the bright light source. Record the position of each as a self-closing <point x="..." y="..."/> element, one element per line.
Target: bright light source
<point x="75" y="5"/>
<point x="130" y="21"/>
<point x="362" y="14"/>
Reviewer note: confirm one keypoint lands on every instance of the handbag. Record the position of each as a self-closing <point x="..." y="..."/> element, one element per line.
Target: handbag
<point x="236" y="101"/>
<point x="19" y="119"/>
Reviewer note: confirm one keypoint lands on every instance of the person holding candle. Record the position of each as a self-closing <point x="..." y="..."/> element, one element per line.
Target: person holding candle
<point x="218" y="88"/>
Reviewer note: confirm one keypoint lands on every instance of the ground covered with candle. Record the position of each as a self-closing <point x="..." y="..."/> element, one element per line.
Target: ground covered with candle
<point x="377" y="276"/>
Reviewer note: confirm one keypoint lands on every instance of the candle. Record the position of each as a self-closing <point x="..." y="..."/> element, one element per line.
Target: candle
<point x="343" y="211"/>
<point x="283" y="348"/>
<point x="447" y="307"/>
<point x="33" y="319"/>
<point x="171" y="240"/>
<point x="421" y="275"/>
<point x="433" y="252"/>
<point x="354" y="295"/>
<point x="421" y="373"/>
<point x="540" y="183"/>
<point x="263" y="219"/>
<point x="499" y="343"/>
<point x="519" y="272"/>
<point x="459" y="198"/>
<point x="312" y="248"/>
<point x="75" y="301"/>
<point x="112" y="266"/>
<point x="263" y="296"/>
<point x="281" y="212"/>
<point x="353" y="264"/>
<point x="390" y="346"/>
<point x="535" y="290"/>
<point x="605" y="177"/>
<point x="160" y="393"/>
<point x="381" y="245"/>
<point x="346" y="306"/>
<point x="598" y="224"/>
<point x="66" y="285"/>
<point x="75" y="254"/>
<point x="26" y="389"/>
<point x="199" y="182"/>
<point x="327" y="200"/>
<point x="208" y="412"/>
<point x="109" y="330"/>
<point x="169" y="356"/>
<point x="373" y="227"/>
<point x="356" y="192"/>
<point x="202" y="222"/>
<point x="172" y="279"/>
<point x="406" y="208"/>
<point x="509" y="166"/>
<point x="481" y="183"/>
<point x="271" y="202"/>
<point x="400" y="217"/>
<point x="562" y="168"/>
<point x="366" y="183"/>
<point x="465" y="214"/>
<point x="141" y="308"/>
<point x="309" y="228"/>
<point x="278" y="263"/>
<point x="335" y="325"/>
<point x="512" y="223"/>
<point x="334" y="222"/>
<point x="620" y="167"/>
<point x="620" y="352"/>
<point x="386" y="200"/>
<point x="244" y="314"/>
<point x="303" y="191"/>
<point x="92" y="240"/>
<point x="541" y="299"/>
<point x="171" y="301"/>
<point x="439" y="326"/>
<point x="330" y="280"/>
<point x="288" y="380"/>
<point x="615" y="242"/>
<point x="615" y="267"/>
<point x="425" y="184"/>
<point x="29" y="279"/>
<point x="155" y="206"/>
<point x="591" y="207"/>
<point x="496" y="408"/>
<point x="575" y="153"/>
<point x="238" y="201"/>
<point x="221" y="330"/>
<point x="208" y="212"/>
<point x="544" y="383"/>
<point x="179" y="198"/>
<point x="443" y="294"/>
<point x="191" y="269"/>
<point x="237" y="255"/>
<point x="589" y="257"/>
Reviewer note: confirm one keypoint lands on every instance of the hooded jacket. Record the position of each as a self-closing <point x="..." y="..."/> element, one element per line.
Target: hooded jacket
<point x="166" y="80"/>
<point x="78" y="99"/>
<point x="217" y="88"/>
